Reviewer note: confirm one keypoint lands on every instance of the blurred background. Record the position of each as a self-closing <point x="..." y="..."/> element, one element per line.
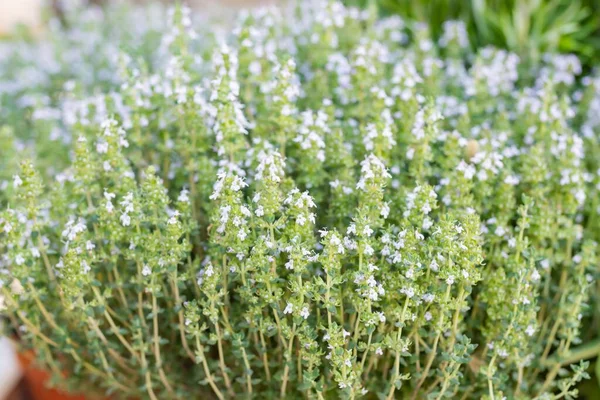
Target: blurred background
<point x="529" y="28"/>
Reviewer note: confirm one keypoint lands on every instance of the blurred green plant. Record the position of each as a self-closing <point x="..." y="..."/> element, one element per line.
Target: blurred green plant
<point x="529" y="28"/>
<point x="533" y="27"/>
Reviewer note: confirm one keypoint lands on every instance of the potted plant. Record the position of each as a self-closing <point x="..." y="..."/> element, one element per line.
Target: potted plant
<point x="317" y="204"/>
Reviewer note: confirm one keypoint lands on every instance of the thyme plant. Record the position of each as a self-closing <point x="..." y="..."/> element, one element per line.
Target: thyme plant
<point x="303" y="203"/>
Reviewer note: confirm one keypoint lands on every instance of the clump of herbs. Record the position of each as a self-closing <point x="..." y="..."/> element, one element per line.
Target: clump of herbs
<point x="311" y="203"/>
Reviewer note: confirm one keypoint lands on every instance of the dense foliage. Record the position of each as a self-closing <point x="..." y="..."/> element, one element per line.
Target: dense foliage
<point x="529" y="28"/>
<point x="310" y="203"/>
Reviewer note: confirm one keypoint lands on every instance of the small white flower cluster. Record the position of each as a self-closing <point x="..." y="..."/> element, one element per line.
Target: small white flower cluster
<point x="496" y="70"/>
<point x="454" y="31"/>
<point x="311" y="133"/>
<point x="372" y="172"/>
<point x="127" y="207"/>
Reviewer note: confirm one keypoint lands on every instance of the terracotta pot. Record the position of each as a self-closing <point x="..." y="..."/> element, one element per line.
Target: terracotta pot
<point x="36" y="380"/>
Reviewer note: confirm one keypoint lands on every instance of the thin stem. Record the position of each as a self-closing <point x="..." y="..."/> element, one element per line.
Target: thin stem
<point x="288" y="357"/>
<point x="209" y="376"/>
<point x="225" y="284"/>
<point x="156" y="340"/>
<point x="47" y="316"/>
<point x="264" y="355"/>
<point x="120" y="289"/>
<point x="390" y="395"/>
<point x="147" y="376"/>
<point x="248" y="371"/>
<point x="489" y="377"/>
<point x="433" y="352"/>
<point x="116" y="356"/>
<point x="114" y="328"/>
<point x="364" y="356"/>
<point x="180" y="316"/>
<point x="32" y="328"/>
<point x="46" y="260"/>
<point x="222" y="359"/>
<point x="327" y="298"/>
<point x="588" y="350"/>
<point x="93" y="370"/>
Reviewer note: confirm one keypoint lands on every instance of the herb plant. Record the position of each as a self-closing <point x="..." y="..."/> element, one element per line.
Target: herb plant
<point x="305" y="203"/>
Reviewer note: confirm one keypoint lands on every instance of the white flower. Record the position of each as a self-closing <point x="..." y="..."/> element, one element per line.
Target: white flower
<point x="19" y="259"/>
<point x="17" y="181"/>
<point x="304" y="313"/>
<point x="301" y="220"/>
<point x="146" y="270"/>
<point x="245" y="211"/>
<point x="385" y="210"/>
<point x="530" y="330"/>
<point x="85" y="267"/>
<point x="237" y="184"/>
<point x="511" y="180"/>
<point x="72" y="229"/>
<point x="109" y="206"/>
<point x="102" y="147"/>
<point x="184" y="196"/>
<point x="209" y="271"/>
<point x="450" y="280"/>
<point x="289" y="264"/>
<point x="289" y="308"/>
<point x="428" y="297"/>
<point x="427" y="223"/>
<point x="434" y="266"/>
<point x="379" y="351"/>
<point x="125" y="219"/>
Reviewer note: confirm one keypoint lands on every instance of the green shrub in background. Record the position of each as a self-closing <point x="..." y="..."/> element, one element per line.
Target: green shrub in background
<point x="529" y="28"/>
<point x="310" y="203"/>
